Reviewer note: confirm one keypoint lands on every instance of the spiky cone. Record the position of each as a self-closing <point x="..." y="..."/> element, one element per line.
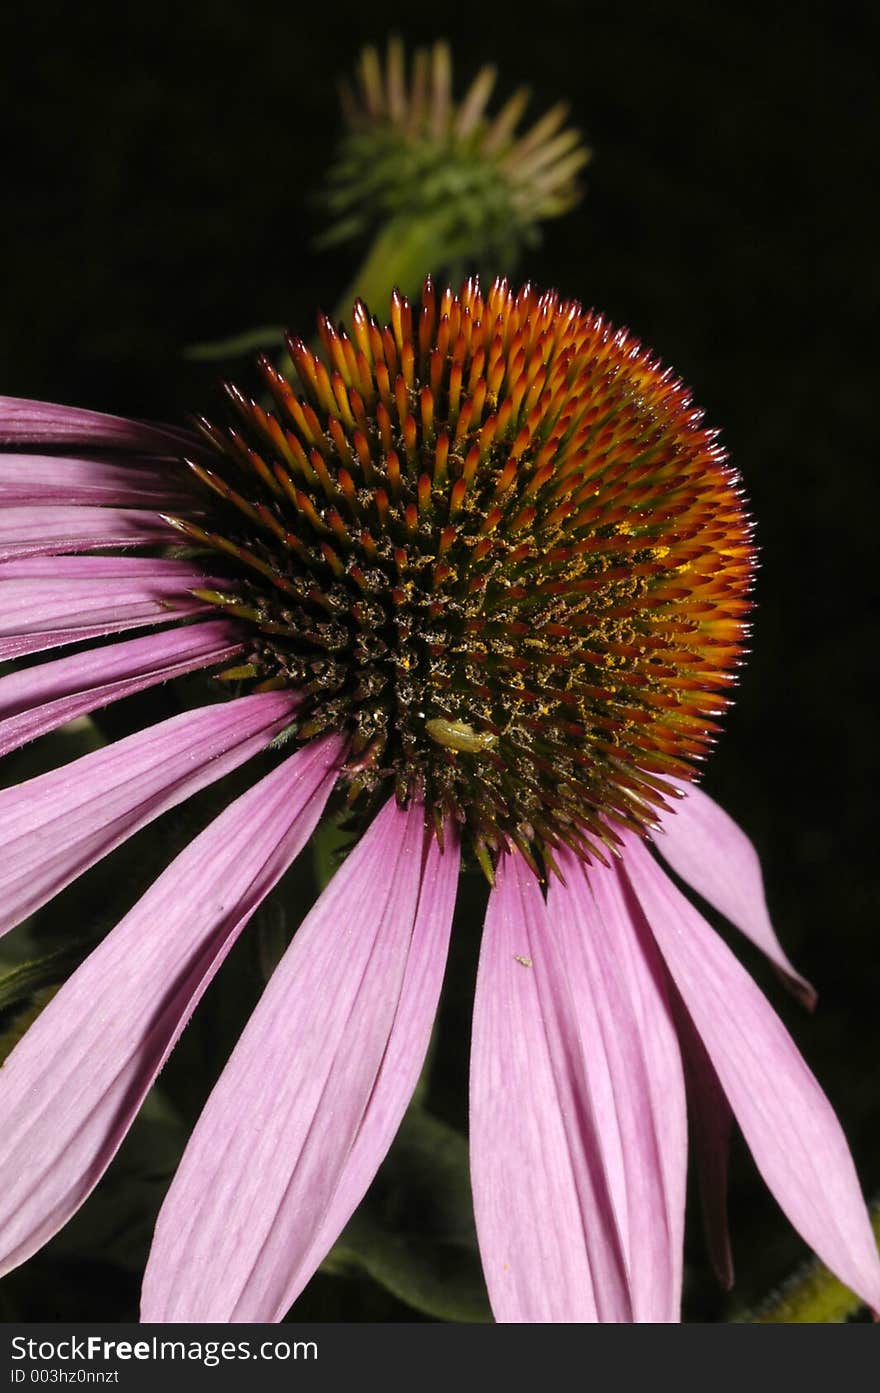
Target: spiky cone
<point x="494" y="543"/>
<point x="431" y="181"/>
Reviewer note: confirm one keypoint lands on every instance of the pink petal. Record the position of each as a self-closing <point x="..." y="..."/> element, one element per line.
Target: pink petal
<point x="70" y="1089"/>
<point x="703" y="845"/>
<point x="793" y="1134"/>
<point x="304" y="1111"/>
<point x="25" y="422"/>
<point x="39" y="699"/>
<point x="631" y="1067"/>
<point x="43" y="479"/>
<point x="44" y="531"/>
<point x="551" y="1245"/>
<point x="53" y="827"/>
<point x="49" y="601"/>
<point x="407" y="1047"/>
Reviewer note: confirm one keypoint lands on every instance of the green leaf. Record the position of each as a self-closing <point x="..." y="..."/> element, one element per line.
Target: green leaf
<point x="271" y="932"/>
<point x="116" y="1223"/>
<point x="414" y="1232"/>
<point x="21" y="1021"/>
<point x="20" y="984"/>
<point x="329" y="845"/>
<point x="280" y="915"/>
<point x="236" y="346"/>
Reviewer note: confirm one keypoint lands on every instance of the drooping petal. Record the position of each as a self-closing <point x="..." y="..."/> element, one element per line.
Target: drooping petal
<point x="310" y="1100"/>
<point x="787" y="1121"/>
<point x="49" y="601"/>
<point x="613" y="977"/>
<point x="46" y="479"/>
<point x="549" y="1238"/>
<point x="39" y="699"/>
<point x="53" y="827"/>
<point x="703" y="844"/>
<point x="71" y="1088"/>
<point x="25" y="422"/>
<point x="46" y="531"/>
<point x="711" y="1124"/>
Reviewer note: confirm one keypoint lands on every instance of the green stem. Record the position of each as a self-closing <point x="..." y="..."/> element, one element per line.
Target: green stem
<point x="402" y="254"/>
<point x="813" y="1296"/>
<point x="400" y="257"/>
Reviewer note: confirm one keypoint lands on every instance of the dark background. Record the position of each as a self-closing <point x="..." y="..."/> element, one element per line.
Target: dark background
<point x="159" y="189"/>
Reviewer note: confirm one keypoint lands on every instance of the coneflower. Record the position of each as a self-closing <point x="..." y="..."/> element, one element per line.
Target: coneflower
<point x="423" y="178"/>
<point x="488" y="573"/>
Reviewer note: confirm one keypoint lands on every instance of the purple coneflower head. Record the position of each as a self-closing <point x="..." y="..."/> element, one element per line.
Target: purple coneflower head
<point x="486" y="574"/>
<point x="493" y="544"/>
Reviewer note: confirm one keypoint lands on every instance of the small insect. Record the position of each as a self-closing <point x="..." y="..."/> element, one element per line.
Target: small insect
<point x="525" y="962"/>
<point x="284" y="737"/>
<point x="458" y="735"/>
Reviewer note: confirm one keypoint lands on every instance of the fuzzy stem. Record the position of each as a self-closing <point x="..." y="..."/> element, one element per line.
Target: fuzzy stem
<point x="812" y="1296"/>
